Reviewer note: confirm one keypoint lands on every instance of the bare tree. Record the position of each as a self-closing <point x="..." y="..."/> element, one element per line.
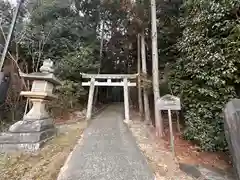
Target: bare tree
<point x="144" y="71"/>
<point x="140" y="101"/>
<point x="100" y="57"/>
<point x="17" y="83"/>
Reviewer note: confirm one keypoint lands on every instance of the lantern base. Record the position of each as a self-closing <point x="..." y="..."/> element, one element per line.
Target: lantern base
<point x="31" y="126"/>
<point x="22" y="147"/>
<point x="27" y="135"/>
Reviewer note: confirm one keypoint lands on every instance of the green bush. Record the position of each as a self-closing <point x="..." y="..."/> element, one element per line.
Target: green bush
<point x="81" y="60"/>
<point x="208" y="68"/>
<point x="70" y="96"/>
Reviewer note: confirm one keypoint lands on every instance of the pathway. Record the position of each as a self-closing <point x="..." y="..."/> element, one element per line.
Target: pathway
<point x="108" y="151"/>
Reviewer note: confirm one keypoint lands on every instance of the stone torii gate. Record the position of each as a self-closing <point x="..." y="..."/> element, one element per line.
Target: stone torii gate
<point x="125" y="83"/>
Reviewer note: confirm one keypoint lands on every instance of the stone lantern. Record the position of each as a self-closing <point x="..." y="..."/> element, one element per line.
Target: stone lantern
<point x="37" y="126"/>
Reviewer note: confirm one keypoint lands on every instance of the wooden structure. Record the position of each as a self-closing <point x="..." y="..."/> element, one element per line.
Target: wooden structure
<point x="169" y="103"/>
<point x="124" y="82"/>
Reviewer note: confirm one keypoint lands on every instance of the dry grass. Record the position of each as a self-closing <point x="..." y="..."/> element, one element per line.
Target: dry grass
<point x="44" y="164"/>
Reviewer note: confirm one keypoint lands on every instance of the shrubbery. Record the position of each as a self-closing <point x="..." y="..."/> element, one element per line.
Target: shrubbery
<point x="70" y="96"/>
<point x="207" y="71"/>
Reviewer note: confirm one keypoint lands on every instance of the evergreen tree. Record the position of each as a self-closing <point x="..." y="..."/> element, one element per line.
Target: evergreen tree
<point x="207" y="71"/>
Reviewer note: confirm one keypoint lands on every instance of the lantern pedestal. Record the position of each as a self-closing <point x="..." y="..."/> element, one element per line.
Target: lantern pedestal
<point x="37" y="126"/>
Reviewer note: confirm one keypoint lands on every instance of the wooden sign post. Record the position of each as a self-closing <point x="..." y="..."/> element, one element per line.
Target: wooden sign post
<point x="169" y="102"/>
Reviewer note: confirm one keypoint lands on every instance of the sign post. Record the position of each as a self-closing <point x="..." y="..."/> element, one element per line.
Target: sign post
<point x="169" y="103"/>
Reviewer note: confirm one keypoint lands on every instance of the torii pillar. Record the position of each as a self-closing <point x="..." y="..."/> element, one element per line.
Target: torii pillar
<point x="90" y="99"/>
<point x="126" y="99"/>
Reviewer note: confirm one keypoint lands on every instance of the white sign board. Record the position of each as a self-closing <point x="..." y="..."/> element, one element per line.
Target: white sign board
<point x="169" y="102"/>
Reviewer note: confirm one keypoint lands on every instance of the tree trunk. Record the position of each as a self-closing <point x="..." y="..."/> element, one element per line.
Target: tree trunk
<point x="90" y="99"/>
<point x="100" y="63"/>
<point x="13" y="114"/>
<point x="126" y="99"/>
<point x="10" y="33"/>
<point x="156" y="92"/>
<point x="144" y="70"/>
<point x="140" y="101"/>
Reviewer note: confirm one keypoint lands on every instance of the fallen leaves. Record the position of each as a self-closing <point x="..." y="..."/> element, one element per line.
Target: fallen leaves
<point x="46" y="163"/>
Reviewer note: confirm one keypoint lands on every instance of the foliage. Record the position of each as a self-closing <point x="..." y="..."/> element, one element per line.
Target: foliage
<point x="82" y="60"/>
<point x="169" y="30"/>
<point x="202" y="47"/>
<point x="55" y="30"/>
<point x="6" y="13"/>
<point x="207" y="71"/>
<point x="70" y="95"/>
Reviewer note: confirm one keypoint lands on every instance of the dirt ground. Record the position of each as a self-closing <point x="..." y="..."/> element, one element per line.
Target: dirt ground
<point x="46" y="163"/>
<point x="160" y="157"/>
<point x="189" y="153"/>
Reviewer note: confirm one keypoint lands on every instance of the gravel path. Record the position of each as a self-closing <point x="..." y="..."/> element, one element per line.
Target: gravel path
<point x="108" y="151"/>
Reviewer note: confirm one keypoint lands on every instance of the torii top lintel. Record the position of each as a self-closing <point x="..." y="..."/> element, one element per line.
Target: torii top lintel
<point x="109" y="76"/>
